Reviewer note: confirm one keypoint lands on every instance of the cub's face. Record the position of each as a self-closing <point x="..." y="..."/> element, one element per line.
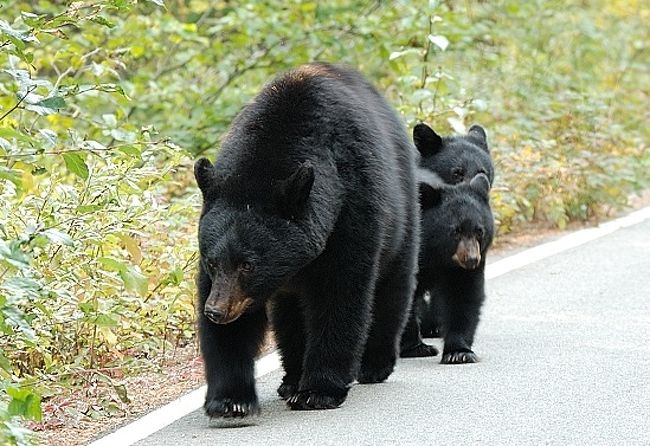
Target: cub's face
<point x="249" y="250"/>
<point x="455" y="159"/>
<point x="457" y="223"/>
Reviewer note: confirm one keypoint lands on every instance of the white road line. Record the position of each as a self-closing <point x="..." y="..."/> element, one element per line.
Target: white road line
<point x="562" y="244"/>
<point x="166" y="415"/>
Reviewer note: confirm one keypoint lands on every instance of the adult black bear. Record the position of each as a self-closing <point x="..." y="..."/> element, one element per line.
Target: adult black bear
<point x="311" y="207"/>
<point x="457" y="230"/>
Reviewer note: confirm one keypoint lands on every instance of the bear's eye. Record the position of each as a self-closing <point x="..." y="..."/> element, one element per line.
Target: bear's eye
<point x="456" y="232"/>
<point x="246" y="267"/>
<point x="480" y="232"/>
<point x="458" y="174"/>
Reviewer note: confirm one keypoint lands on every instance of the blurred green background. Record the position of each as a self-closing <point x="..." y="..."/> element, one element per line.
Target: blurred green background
<point x="105" y="103"/>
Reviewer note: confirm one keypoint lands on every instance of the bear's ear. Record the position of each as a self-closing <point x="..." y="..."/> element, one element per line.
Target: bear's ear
<point x="204" y="174"/>
<point x="426" y="140"/>
<point x="291" y="194"/>
<point x="478" y="134"/>
<point x="430" y="196"/>
<point x="481" y="184"/>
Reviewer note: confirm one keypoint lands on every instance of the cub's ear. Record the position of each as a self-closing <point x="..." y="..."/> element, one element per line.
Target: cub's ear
<point x="291" y="194"/>
<point x="430" y="196"/>
<point x="481" y="184"/>
<point x="426" y="140"/>
<point x="479" y="135"/>
<point x="204" y="174"/>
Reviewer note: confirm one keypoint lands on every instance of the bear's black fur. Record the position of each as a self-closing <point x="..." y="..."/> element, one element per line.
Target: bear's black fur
<point x="312" y="208"/>
<point x="457" y="230"/>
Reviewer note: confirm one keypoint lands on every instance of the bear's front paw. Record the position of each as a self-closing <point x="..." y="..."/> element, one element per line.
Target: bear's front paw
<point x="459" y="357"/>
<point x="371" y="374"/>
<point x="313" y="400"/>
<point x="286" y="390"/>
<point x="419" y="351"/>
<point x="230" y="408"/>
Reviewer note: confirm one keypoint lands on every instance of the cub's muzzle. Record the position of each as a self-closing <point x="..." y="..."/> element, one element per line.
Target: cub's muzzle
<point x="468" y="253"/>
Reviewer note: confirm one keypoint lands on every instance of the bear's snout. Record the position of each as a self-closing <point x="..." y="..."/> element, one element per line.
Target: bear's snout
<point x="214" y="314"/>
<point x="468" y="254"/>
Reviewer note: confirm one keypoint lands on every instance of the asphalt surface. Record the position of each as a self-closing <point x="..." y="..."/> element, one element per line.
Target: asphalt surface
<point x="565" y="351"/>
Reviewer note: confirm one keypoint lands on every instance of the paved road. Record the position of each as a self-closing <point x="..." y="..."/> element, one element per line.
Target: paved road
<point x="565" y="360"/>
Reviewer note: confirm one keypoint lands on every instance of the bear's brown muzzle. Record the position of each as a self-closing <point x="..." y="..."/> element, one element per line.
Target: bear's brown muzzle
<point x="468" y="253"/>
<point x="226" y="303"/>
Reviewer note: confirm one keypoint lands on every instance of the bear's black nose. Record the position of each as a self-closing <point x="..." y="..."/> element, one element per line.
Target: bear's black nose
<point x="471" y="262"/>
<point x="214" y="315"/>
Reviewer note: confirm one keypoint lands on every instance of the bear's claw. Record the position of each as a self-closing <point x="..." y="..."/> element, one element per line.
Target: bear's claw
<point x="462" y="357"/>
<point x="311" y="400"/>
<point x="419" y="351"/>
<point x="228" y="408"/>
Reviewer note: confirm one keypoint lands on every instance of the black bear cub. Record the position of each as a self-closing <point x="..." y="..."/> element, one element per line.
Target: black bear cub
<point x="454" y="159"/>
<point x="310" y="210"/>
<point x="457" y="230"/>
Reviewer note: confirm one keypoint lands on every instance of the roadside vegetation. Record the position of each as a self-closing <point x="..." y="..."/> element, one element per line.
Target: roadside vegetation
<point x="105" y="103"/>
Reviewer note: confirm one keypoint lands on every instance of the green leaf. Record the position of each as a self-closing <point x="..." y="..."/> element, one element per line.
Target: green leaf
<point x="440" y="41"/>
<point x="112" y="264"/>
<point x="58" y="237"/>
<point x="103" y="21"/>
<point x="54" y="102"/>
<point x="134" y="280"/>
<point x="104" y="320"/>
<point x="24" y="402"/>
<point x="75" y="164"/>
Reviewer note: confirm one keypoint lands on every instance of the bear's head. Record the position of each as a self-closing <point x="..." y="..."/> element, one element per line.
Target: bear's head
<point x="251" y="245"/>
<point x="455" y="158"/>
<point x="457" y="222"/>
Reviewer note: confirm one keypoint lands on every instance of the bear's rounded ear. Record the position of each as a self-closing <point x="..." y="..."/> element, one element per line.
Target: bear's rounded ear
<point x="204" y="174"/>
<point x="426" y="140"/>
<point x="291" y="194"/>
<point x="481" y="184"/>
<point x="430" y="196"/>
<point x="479" y="135"/>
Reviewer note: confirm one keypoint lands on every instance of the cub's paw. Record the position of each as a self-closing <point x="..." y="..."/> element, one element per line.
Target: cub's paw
<point x="419" y="351"/>
<point x="459" y="357"/>
<point x="230" y="408"/>
<point x="286" y="390"/>
<point x="375" y="374"/>
<point x="313" y="400"/>
<point x="431" y="332"/>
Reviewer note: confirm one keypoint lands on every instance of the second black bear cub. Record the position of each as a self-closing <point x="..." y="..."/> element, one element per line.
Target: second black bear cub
<point x="457" y="230"/>
<point x="455" y="158"/>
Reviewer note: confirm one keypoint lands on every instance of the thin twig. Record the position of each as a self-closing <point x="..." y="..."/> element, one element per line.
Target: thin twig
<point x="20" y="101"/>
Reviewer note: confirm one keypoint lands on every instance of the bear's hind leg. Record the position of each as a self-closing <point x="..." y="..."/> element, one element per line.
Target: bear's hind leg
<point x="289" y="328"/>
<point x="337" y="314"/>
<point x="411" y="345"/>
